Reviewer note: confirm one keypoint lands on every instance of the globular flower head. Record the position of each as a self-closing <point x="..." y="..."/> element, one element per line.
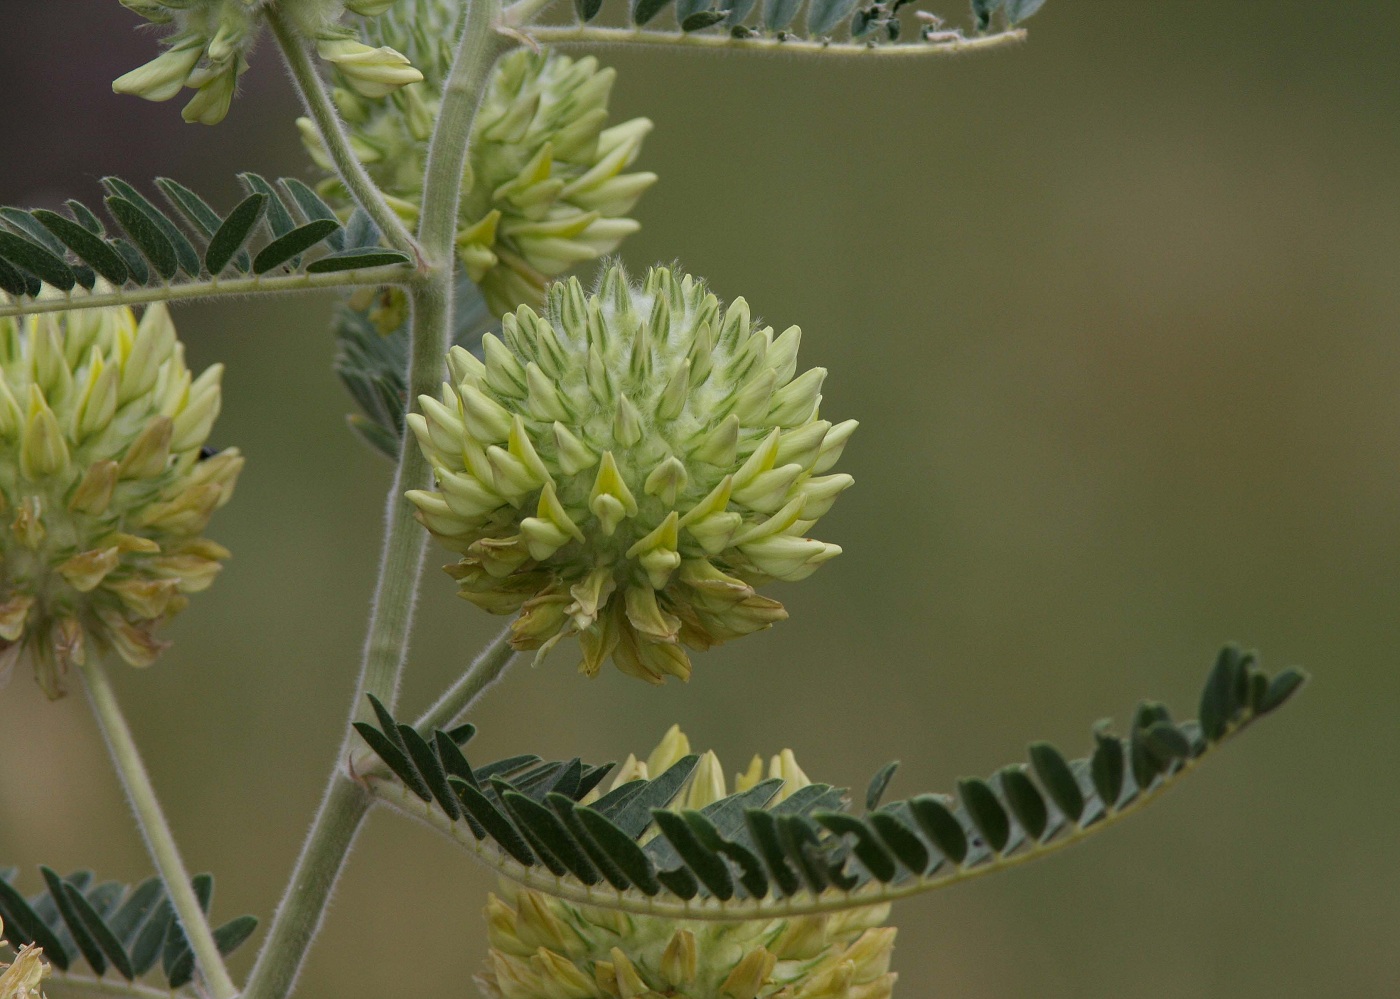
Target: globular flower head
<point x="24" y="977"/>
<point x="627" y="468"/>
<point x="105" y="486"/>
<point x="546" y="187"/>
<point x="208" y="50"/>
<point x="543" y="947"/>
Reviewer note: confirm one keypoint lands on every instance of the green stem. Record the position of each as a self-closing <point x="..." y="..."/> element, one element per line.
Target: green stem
<point x="447" y="153"/>
<point x="322" y="110"/>
<point x="86" y="985"/>
<point x="485" y="670"/>
<point x="588" y="35"/>
<point x="159" y="841"/>
<point x="522" y="12"/>
<point x="299" y="915"/>
<point x="211" y="288"/>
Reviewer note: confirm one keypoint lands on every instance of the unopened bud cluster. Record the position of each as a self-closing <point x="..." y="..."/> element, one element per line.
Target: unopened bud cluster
<point x="208" y="49"/>
<point x="105" y="486"/>
<point x="542" y="947"/>
<point x="24" y="978"/>
<point x="545" y="187"/>
<point x="627" y="468"/>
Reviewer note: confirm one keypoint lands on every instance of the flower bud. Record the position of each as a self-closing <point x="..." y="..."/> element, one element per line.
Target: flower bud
<point x="372" y="72"/>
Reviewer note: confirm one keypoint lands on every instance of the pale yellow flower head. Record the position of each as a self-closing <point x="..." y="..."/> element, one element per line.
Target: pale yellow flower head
<point x="628" y="468"/>
<point x="210" y="42"/>
<point x="547" y="186"/>
<point x="105" y="486"/>
<point x="542" y="947"/>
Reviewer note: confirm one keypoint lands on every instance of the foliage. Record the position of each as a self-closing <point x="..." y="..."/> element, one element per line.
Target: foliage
<point x="275" y="230"/>
<point x="536" y="821"/>
<point x="843" y="23"/>
<point x="372" y="360"/>
<point x="109" y="926"/>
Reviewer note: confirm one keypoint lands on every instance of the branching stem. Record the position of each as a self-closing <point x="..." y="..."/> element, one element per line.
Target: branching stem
<point x="156" y="831"/>
<point x="322" y="110"/>
<point x="299" y="915"/>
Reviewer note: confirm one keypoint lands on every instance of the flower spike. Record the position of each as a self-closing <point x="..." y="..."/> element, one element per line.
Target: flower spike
<point x="600" y="495"/>
<point x="105" y="487"/>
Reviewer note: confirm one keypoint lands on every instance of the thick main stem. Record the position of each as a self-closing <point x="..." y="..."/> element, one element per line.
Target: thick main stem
<point x="299" y="915"/>
<point x="151" y="820"/>
<point x="447" y="153"/>
<point x="319" y="105"/>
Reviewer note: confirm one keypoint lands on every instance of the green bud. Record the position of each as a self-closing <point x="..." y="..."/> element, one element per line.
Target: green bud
<point x="104" y="491"/>
<point x="372" y="72"/>
<point x="627" y="469"/>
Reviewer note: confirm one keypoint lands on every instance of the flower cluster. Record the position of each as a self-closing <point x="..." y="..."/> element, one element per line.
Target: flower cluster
<point x="208" y="50"/>
<point x="24" y="978"/>
<point x="546" y="187"/>
<point x="105" y="486"/>
<point x="542" y="946"/>
<point x="628" y="468"/>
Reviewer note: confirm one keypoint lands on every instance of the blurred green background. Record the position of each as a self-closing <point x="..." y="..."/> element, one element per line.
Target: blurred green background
<point x="1118" y="312"/>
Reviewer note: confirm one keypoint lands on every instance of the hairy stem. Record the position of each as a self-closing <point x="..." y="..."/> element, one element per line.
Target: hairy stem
<point x="343" y="808"/>
<point x="488" y="667"/>
<point x="522" y="12"/>
<point x="86" y="985"/>
<point x="447" y="153"/>
<point x="578" y="34"/>
<point x="319" y="105"/>
<point x="299" y="915"/>
<point x="211" y="288"/>
<point x="156" y="831"/>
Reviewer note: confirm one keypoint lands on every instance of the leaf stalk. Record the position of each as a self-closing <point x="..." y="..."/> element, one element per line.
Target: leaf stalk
<point x="582" y="34"/>
<point x="488" y="667"/>
<point x="212" y="288"/>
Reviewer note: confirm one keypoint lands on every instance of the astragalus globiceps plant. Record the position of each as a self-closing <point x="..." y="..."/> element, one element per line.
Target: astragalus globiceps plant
<point x="626" y="463"/>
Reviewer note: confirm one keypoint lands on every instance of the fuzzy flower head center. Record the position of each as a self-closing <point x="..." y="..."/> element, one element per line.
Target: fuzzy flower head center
<point x="628" y="467"/>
